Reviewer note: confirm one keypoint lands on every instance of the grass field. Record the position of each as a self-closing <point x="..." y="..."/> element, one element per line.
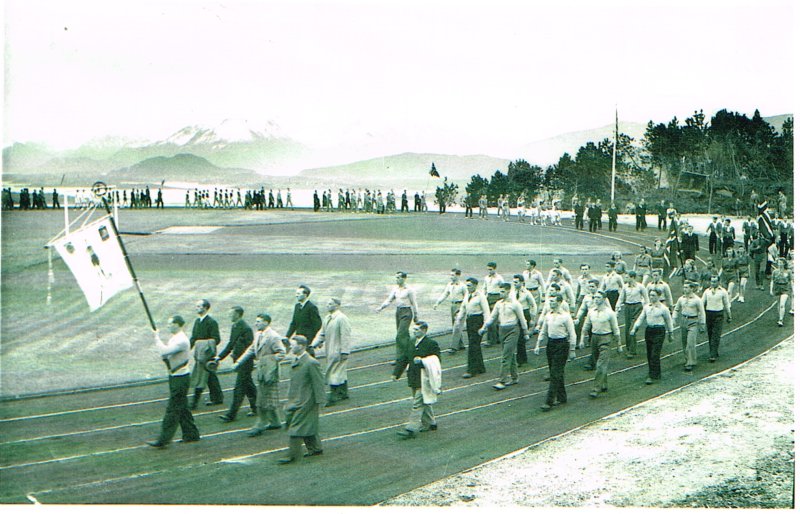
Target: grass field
<point x="253" y="259"/>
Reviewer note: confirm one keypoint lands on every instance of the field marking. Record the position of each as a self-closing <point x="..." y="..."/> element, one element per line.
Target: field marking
<point x="388" y="402"/>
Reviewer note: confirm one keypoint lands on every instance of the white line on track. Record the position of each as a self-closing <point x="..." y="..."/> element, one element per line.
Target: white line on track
<point x="108" y="452"/>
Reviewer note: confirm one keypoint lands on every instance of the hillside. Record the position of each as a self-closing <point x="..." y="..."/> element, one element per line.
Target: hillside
<point x="182" y="168"/>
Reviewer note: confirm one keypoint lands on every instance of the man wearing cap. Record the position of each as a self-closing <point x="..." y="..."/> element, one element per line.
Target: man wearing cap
<point x="176" y="354"/>
<point x="240" y="340"/>
<point x="690" y="316"/>
<point x="407" y="310"/>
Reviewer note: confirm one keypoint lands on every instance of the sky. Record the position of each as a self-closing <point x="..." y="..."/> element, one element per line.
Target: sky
<point x="451" y="77"/>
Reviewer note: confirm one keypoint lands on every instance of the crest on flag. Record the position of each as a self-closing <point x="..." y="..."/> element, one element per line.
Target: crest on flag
<point x="94" y="256"/>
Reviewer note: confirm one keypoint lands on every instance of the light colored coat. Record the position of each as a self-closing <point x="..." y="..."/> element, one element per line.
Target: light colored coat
<point x="431" y="379"/>
<point x="306" y="394"/>
<point x="335" y="335"/>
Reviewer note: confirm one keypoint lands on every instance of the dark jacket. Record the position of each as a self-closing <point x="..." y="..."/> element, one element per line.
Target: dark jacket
<point x="206" y="328"/>
<point x="426" y="347"/>
<point x="241" y="338"/>
<point x="305" y="321"/>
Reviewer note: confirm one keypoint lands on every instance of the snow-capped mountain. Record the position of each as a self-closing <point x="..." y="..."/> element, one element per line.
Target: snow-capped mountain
<point x="227" y="132"/>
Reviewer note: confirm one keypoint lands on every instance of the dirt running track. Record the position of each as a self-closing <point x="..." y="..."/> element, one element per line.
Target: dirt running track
<point x="89" y="447"/>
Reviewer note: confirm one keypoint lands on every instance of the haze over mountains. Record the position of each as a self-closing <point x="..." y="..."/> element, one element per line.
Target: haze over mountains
<point x="238" y="152"/>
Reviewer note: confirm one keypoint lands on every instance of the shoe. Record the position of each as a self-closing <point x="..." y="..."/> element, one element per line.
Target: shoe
<point x="466" y="375"/>
<point x="603" y="389"/>
<point x="209" y="403"/>
<point x="313" y="454"/>
<point x="226" y="419"/>
<point x="499" y="386"/>
<point x="712" y="359"/>
<point x="273" y="427"/>
<point x="741" y="300"/>
<point x="546" y="378"/>
<point x="780" y="323"/>
<point x="255" y="432"/>
<point x="648" y="381"/>
<point x="687" y="368"/>
<point x="594" y="394"/>
<point x="512" y="383"/>
<point x="449" y="351"/>
<point x="285" y="460"/>
<point x="546" y="407"/>
<point x="251" y="414"/>
<point x="157" y="444"/>
<point x="406" y="434"/>
<point x="429" y="428"/>
<point x="190" y="440"/>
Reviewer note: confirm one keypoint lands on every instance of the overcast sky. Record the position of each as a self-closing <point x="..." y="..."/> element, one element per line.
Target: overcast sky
<point x="467" y="77"/>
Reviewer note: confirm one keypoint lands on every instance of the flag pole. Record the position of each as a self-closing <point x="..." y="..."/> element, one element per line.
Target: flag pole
<point x="128" y="263"/>
<point x="614" y="155"/>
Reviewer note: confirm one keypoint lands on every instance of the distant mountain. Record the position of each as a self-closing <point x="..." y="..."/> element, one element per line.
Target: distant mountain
<point x="407" y="169"/>
<point x="22" y="157"/>
<point x="181" y="168"/>
<point x="548" y="151"/>
<point x="777" y="121"/>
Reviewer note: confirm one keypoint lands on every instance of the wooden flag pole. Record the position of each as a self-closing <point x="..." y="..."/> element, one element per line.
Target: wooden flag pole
<point x="128" y="263"/>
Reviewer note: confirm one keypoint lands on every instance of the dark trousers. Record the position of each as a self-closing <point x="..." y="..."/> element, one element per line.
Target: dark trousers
<point x="630" y="313"/>
<point x="403" y="317"/>
<point x="654" y="340"/>
<point x="613" y="296"/>
<point x="244" y="387"/>
<point x="662" y="223"/>
<point x="714" y="321"/>
<point x="522" y="353"/>
<point x="178" y="412"/>
<point x="214" y="389"/>
<point x="491" y="333"/>
<point x="475" y="364"/>
<point x="468" y="212"/>
<point x="557" y="353"/>
<point x="712" y="243"/>
<point x="612" y="224"/>
<point x="593" y="224"/>
<point x="758" y="270"/>
<point x="579" y="223"/>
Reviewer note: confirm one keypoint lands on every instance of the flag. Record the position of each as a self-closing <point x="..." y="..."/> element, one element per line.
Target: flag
<point x="765" y="222"/>
<point x="94" y="255"/>
<point x="433" y="172"/>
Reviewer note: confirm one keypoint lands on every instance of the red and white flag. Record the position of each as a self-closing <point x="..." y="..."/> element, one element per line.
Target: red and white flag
<point x="94" y="255"/>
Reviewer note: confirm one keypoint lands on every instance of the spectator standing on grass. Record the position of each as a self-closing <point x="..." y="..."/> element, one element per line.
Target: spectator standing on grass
<point x="661" y="209"/>
<point x="658" y="323"/>
<point x="601" y="324"/>
<point x="613" y="214"/>
<point x="407" y="311"/>
<point x="508" y="317"/>
<point x="689" y="314"/>
<point x="204" y="340"/>
<point x="713" y="231"/>
<point x="305" y="318"/>
<point x="335" y="336"/>
<point x="176" y="355"/>
<point x="423" y="369"/>
<point x="264" y="357"/>
<point x="641" y="215"/>
<point x="474" y="311"/>
<point x="241" y="338"/>
<point x="306" y="396"/>
<point x="455" y="290"/>
<point x="57" y="205"/>
<point x="558" y="334"/>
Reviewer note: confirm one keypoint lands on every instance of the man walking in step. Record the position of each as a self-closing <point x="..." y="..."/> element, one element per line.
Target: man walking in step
<point x="491" y="289"/>
<point x="204" y="340"/>
<point x="264" y="356"/>
<point x="529" y="311"/>
<point x="601" y="324"/>
<point x="507" y="315"/>
<point x="423" y="368"/>
<point x="240" y="340"/>
<point x="455" y="290"/>
<point x="690" y="316"/>
<point x="335" y="336"/>
<point x="406" y="312"/>
<point x="629" y="305"/>
<point x="558" y="333"/>
<point x="175" y="354"/>
<point x="306" y="396"/>
<point x="717" y="304"/>
<point x="305" y="319"/>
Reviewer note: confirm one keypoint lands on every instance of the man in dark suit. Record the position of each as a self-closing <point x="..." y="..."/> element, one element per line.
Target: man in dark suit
<point x="205" y="335"/>
<point x="241" y="339"/>
<point x="305" y="320"/>
<point x="690" y="243"/>
<point x="421" y="418"/>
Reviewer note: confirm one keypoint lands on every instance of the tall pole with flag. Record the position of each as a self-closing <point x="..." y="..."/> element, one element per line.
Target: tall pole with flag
<point x="614" y="155"/>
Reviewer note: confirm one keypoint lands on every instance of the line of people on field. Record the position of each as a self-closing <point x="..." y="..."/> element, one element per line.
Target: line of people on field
<point x="351" y="200"/>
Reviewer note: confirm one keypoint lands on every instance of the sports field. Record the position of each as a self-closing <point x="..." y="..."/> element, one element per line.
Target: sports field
<point x="88" y="447"/>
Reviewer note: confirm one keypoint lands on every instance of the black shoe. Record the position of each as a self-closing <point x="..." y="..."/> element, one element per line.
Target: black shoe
<point x="546" y="407"/>
<point x="406" y="434"/>
<point x="251" y="414"/>
<point x="429" y="428"/>
<point x="227" y="419"/>
<point x="313" y="454"/>
<point x="594" y="394"/>
<point x="255" y="432"/>
<point x="273" y="427"/>
<point x="285" y="460"/>
<point x="209" y="403"/>
<point x="648" y="381"/>
<point x="157" y="444"/>
<point x="189" y="439"/>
